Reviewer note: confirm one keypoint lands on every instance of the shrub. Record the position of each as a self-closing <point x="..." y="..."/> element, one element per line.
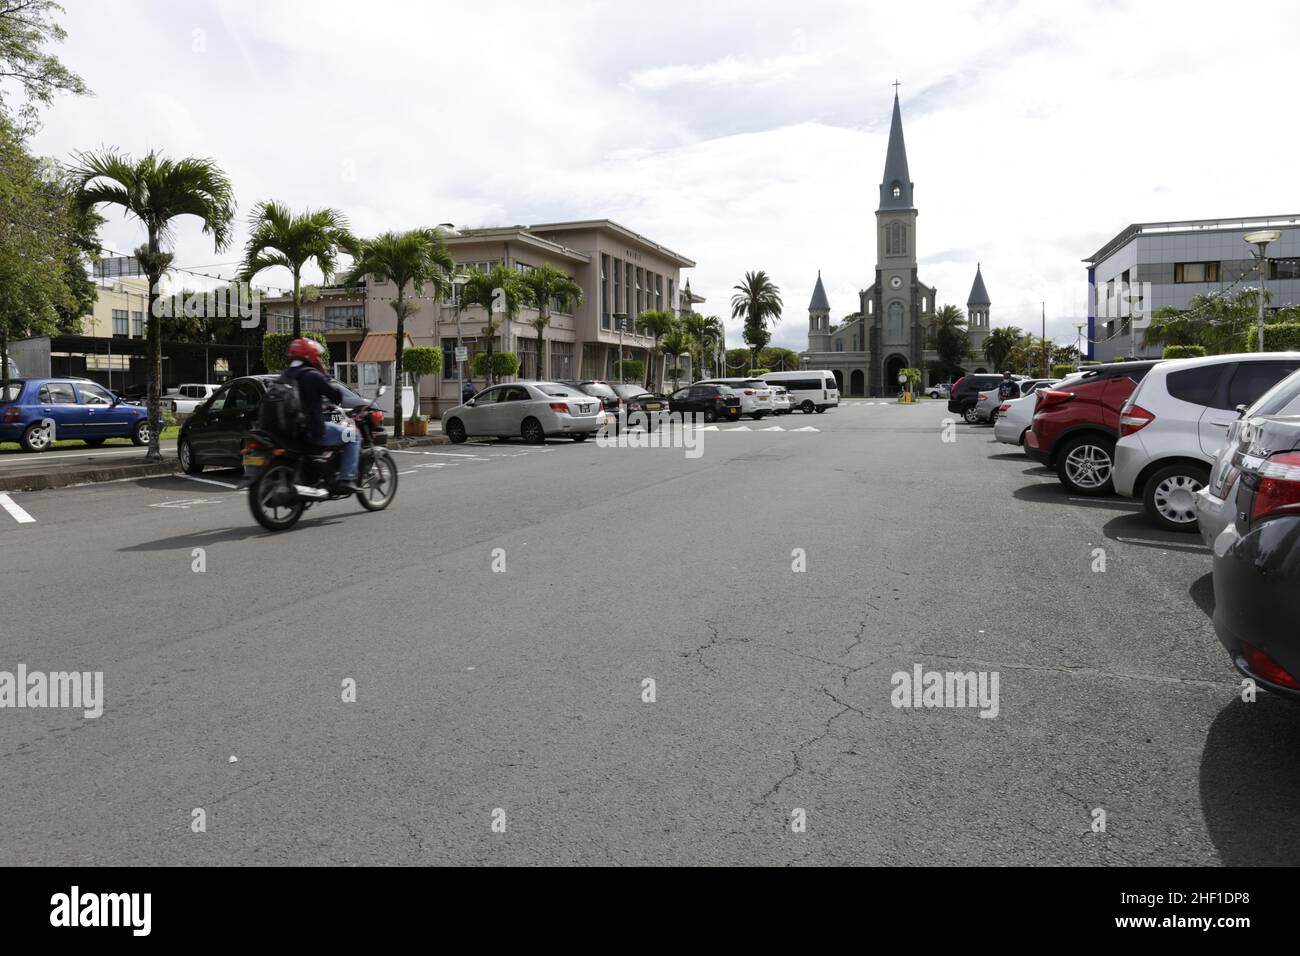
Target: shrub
<point x="1183" y="351"/>
<point x="1090" y="362"/>
<point x="1278" y="337"/>
<point x="275" y="349"/>
<point x="755" y="372"/>
<point x="504" y="364"/>
<point x="1060" y="371"/>
<point x="633" y="370"/>
<point x="422" y="360"/>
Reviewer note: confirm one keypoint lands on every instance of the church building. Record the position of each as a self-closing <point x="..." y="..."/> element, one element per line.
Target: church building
<point x="893" y="325"/>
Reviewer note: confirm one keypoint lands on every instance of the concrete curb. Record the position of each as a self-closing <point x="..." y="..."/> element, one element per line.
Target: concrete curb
<point x="84" y="476"/>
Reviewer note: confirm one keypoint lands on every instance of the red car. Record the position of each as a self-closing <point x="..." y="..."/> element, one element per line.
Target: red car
<point x="1076" y="425"/>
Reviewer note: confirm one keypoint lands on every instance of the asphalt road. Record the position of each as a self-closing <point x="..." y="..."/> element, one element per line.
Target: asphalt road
<point x="521" y="691"/>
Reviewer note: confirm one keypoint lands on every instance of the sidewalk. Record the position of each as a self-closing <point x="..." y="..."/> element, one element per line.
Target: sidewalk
<point x="63" y="467"/>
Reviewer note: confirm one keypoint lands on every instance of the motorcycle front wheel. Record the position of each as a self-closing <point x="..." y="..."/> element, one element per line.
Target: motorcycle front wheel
<point x="274" y="503"/>
<point x="378" y="480"/>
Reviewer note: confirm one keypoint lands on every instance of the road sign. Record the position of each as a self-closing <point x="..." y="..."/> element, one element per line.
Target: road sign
<point x="462" y="353"/>
<point x="902" y="379"/>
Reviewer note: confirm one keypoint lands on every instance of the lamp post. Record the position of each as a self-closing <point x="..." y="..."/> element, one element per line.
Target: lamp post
<point x="457" y="284"/>
<point x="1078" y="338"/>
<point x="1261" y="240"/>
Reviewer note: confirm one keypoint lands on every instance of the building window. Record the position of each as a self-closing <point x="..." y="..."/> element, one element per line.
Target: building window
<point x="137" y="324"/>
<point x="560" y="367"/>
<point x="618" y="290"/>
<point x="895" y="326"/>
<point x="120" y="320"/>
<point x="896" y="191"/>
<point x="1196" y="272"/>
<point x="896" y="239"/>
<point x="672" y="303"/>
<point x="604" y="291"/>
<point x="1284" y="269"/>
<point x="839" y="345"/>
<point x="526" y="349"/>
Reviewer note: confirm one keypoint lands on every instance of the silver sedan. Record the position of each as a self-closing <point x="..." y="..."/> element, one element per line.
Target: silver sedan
<point x="531" y="410"/>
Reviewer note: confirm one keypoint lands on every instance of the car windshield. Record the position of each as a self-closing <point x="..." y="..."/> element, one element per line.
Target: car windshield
<point x="11" y="394"/>
<point x="598" y="388"/>
<point x="560" y="391"/>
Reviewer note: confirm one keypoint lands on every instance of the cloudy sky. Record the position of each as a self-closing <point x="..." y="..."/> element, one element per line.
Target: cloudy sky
<point x="744" y="135"/>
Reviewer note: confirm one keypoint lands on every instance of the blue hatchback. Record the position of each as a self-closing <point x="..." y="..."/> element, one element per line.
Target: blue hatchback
<point x="39" y="411"/>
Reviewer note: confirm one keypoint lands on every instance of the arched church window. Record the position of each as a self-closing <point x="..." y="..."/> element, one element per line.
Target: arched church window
<point x="897" y="191"/>
<point x="894" y="326"/>
<point x="896" y="239"/>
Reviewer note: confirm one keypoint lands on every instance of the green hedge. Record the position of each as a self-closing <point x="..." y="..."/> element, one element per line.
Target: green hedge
<point x="1060" y="371"/>
<point x="275" y="349"/>
<point x="1278" y="337"/>
<point x="755" y="372"/>
<point x="633" y="370"/>
<point x="422" y="360"/>
<point x="1183" y="351"/>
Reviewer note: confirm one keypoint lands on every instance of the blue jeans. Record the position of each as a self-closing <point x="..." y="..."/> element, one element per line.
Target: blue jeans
<point x="347" y="438"/>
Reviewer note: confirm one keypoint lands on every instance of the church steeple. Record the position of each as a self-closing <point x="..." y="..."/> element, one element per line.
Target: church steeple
<point x="896" y="187"/>
<point x="819" y="301"/>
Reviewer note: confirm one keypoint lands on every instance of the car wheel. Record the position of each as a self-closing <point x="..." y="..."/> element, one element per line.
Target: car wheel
<point x="993" y="418"/>
<point x="455" y="431"/>
<point x="821" y="409"/>
<point x="969" y="415"/>
<point x="758" y="416"/>
<point x="185" y="453"/>
<point x="1022" y="437"/>
<point x="531" y="430"/>
<point x="710" y="415"/>
<point x="580" y="436"/>
<point x="140" y="434"/>
<point x="807" y="408"/>
<point x="1086" y="465"/>
<point x="36" y="437"/>
<point x="1170" y="496"/>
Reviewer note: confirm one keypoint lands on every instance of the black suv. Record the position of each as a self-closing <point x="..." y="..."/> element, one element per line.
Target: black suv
<point x="714" y="402"/>
<point x="966" y="394"/>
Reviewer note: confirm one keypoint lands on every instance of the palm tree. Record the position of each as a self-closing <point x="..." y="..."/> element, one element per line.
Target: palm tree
<point x="411" y="259"/>
<point x="697" y="329"/>
<point x="157" y="190"/>
<point x="715" y="337"/>
<point x="655" y="323"/>
<point x="498" y="291"/>
<point x="1000" y="343"/>
<point x="674" y="343"/>
<point x="542" y="286"/>
<point x="758" y="300"/>
<point x="279" y="237"/>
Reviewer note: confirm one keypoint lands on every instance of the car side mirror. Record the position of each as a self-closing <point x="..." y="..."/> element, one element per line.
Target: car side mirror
<point x="470" y="403"/>
<point x="1241" y="410"/>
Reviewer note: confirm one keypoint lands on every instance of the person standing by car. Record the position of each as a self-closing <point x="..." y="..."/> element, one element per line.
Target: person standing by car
<point x="467" y="391"/>
<point x="307" y="373"/>
<point x="1007" y="388"/>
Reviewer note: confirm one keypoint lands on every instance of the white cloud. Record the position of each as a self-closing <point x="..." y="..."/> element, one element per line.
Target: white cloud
<point x="745" y="137"/>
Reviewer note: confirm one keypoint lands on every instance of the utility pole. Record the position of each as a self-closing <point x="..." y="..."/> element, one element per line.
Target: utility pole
<point x="1043" y="343"/>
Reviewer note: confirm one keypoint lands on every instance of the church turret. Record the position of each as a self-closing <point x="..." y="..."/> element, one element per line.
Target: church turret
<point x="977" y="311"/>
<point x="896" y="185"/>
<point x="819" y="318"/>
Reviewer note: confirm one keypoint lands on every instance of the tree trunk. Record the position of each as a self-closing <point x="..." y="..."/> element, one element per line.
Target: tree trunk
<point x="541" y="345"/>
<point x="4" y="358"/>
<point x="397" y="363"/>
<point x="297" y="305"/>
<point x="155" y="358"/>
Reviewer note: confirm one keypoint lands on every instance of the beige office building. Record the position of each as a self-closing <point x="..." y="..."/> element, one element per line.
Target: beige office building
<point x="621" y="272"/>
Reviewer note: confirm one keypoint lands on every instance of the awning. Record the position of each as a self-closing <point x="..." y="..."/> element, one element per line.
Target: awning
<point x="379" y="347"/>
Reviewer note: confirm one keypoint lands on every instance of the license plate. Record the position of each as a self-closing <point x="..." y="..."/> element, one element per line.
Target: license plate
<point x="762" y="398"/>
<point x="655" y="407"/>
<point x="584" y="409"/>
<point x="254" y="461"/>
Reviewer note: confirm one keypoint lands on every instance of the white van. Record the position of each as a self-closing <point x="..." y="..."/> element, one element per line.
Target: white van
<point x="810" y="390"/>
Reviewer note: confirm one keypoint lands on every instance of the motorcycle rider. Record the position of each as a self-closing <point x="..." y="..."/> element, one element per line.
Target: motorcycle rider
<point x="314" y="388"/>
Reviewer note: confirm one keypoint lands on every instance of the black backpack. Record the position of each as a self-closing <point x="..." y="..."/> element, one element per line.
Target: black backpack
<point x="282" y="411"/>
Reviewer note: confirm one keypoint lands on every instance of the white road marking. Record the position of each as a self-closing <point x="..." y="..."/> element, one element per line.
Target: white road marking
<point x="210" y="481"/>
<point x="1174" y="545"/>
<point x="18" y="514"/>
<point x="774" y="428"/>
<point x="806" y="428"/>
<point x="186" y="503"/>
<point x="411" y="472"/>
<point x="740" y="428"/>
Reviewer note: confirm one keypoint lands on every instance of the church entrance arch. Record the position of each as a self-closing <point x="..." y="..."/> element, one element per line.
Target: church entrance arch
<point x="839" y="381"/>
<point x="857" y="383"/>
<point x="893" y="365"/>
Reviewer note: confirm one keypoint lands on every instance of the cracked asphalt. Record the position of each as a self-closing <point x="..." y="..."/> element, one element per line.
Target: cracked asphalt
<point x="522" y="691"/>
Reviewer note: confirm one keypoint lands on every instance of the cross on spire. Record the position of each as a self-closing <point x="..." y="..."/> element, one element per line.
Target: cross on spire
<point x="896" y="86"/>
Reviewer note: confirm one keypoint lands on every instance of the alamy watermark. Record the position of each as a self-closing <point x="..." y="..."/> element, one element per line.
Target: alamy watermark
<point x="58" y="689"/>
<point x="238" y="300"/>
<point x="952" y="689"/>
<point x="655" y="430"/>
<point x="1125" y="301"/>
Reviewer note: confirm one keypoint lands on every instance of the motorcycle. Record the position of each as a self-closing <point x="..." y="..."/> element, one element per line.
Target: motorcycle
<point x="285" y="477"/>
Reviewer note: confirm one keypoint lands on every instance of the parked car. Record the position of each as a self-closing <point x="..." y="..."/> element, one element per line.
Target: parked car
<point x="754" y="393"/>
<point x="942" y="390"/>
<point x="605" y="392"/>
<point x="713" y="402"/>
<point x="40" y="411"/>
<point x="1076" y="425"/>
<point x="189" y="397"/>
<point x="532" y="410"/>
<point x="1016" y="415"/>
<point x="780" y="400"/>
<point x="988" y="403"/>
<point x="1176" y="420"/>
<point x="811" y="390"/>
<point x="1257" y="557"/>
<point x="645" y="405"/>
<point x="965" y="394"/>
<point x="214" y="433"/>
<point x="1214" y="507"/>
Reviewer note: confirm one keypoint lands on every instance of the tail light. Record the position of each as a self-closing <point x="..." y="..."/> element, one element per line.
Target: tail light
<point x="1267" y="668"/>
<point x="560" y="407"/>
<point x="1047" y="397"/>
<point x="1004" y="407"/>
<point x="377" y="419"/>
<point x="13" y="413"/>
<point x="1278" y="486"/>
<point x="983" y="396"/>
<point x="749" y="391"/>
<point x="249" y="446"/>
<point x="1134" y="419"/>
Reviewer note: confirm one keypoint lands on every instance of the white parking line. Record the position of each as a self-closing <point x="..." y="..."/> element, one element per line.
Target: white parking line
<point x="210" y="481"/>
<point x="18" y="514"/>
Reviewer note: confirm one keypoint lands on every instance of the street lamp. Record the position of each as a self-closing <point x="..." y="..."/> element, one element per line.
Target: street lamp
<point x="1078" y="338"/>
<point x="457" y="284"/>
<point x="1261" y="240"/>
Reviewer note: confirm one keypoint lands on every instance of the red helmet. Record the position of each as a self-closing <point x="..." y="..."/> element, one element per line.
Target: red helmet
<point x="308" y="350"/>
